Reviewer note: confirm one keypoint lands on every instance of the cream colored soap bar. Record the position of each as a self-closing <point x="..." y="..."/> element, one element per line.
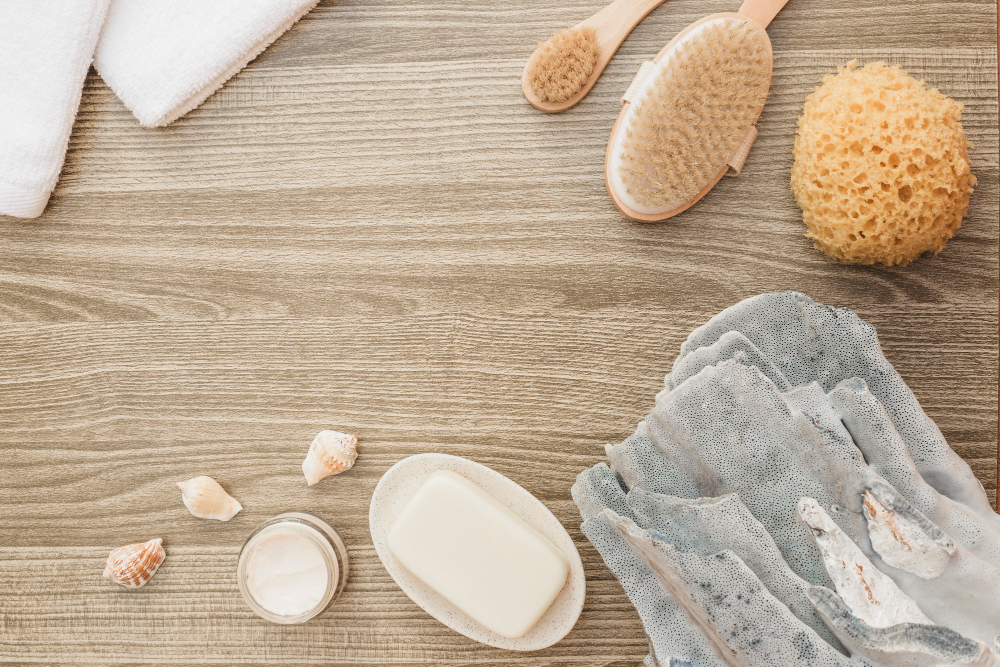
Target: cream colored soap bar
<point x="479" y="555"/>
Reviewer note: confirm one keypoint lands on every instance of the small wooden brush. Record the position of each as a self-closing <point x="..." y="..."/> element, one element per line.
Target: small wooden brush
<point x="562" y="70"/>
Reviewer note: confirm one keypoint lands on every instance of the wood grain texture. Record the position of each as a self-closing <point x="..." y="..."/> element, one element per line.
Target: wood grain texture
<point x="370" y="229"/>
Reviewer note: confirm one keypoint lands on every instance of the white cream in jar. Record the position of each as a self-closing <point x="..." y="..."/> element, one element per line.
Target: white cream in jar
<point x="292" y="567"/>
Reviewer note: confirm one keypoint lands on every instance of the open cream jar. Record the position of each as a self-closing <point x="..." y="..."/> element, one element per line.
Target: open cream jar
<point x="292" y="568"/>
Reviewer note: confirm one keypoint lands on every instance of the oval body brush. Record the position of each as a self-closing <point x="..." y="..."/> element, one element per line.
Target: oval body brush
<point x="562" y="70"/>
<point x="690" y="115"/>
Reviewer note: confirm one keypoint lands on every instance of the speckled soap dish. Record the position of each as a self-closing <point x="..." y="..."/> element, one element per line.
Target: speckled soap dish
<point x="393" y="493"/>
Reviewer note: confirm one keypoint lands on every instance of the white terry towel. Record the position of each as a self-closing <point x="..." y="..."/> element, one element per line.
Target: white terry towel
<point x="45" y="51"/>
<point x="165" y="57"/>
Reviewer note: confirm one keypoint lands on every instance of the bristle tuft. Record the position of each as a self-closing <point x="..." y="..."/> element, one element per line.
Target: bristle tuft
<point x="559" y="67"/>
<point x="690" y="119"/>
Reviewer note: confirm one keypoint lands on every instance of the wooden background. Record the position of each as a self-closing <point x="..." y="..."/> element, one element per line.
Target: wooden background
<point x="369" y="229"/>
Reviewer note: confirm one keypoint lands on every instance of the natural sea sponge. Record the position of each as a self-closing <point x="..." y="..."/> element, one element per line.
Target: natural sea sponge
<point x="788" y="521"/>
<point x="881" y="167"/>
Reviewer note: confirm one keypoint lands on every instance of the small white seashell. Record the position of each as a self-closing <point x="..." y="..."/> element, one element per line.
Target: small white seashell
<point x="134" y="564"/>
<point x="331" y="452"/>
<point x="872" y="596"/>
<point x="206" y="499"/>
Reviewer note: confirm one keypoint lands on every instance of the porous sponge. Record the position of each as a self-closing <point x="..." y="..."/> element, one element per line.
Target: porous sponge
<point x="559" y="67"/>
<point x="881" y="166"/>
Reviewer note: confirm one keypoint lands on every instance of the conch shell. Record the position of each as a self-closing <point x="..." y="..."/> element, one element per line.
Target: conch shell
<point x="206" y="499"/>
<point x="331" y="452"/>
<point x="134" y="564"/>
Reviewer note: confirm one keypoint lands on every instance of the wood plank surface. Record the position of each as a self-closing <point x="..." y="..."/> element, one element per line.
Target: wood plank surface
<point x="370" y="229"/>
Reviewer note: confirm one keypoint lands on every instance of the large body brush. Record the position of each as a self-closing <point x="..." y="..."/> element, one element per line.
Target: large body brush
<point x="562" y="70"/>
<point x="690" y="115"/>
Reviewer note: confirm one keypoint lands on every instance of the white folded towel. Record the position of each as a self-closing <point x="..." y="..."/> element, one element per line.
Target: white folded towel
<point x="164" y="57"/>
<point x="46" y="47"/>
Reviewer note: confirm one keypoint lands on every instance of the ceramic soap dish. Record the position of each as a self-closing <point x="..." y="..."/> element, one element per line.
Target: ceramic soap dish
<point x="394" y="492"/>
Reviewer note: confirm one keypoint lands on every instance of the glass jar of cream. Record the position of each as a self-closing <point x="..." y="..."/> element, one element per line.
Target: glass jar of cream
<point x="292" y="567"/>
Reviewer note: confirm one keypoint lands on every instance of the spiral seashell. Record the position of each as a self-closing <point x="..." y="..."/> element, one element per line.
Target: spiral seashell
<point x="331" y="452"/>
<point x="206" y="499"/>
<point x="134" y="564"/>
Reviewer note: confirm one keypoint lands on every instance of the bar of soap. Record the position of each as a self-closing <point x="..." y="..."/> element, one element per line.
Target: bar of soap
<point x="477" y="554"/>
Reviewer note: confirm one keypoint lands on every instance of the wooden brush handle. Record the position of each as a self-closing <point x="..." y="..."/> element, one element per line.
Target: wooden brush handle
<point x="616" y="21"/>
<point x="761" y="11"/>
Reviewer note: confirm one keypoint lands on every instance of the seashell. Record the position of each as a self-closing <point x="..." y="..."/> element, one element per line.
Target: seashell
<point x="206" y="499"/>
<point x="134" y="564"/>
<point x="331" y="452"/>
<point x="869" y="593"/>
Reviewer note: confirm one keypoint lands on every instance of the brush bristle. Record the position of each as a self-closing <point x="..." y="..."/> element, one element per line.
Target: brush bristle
<point x="690" y="119"/>
<point x="559" y="67"/>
